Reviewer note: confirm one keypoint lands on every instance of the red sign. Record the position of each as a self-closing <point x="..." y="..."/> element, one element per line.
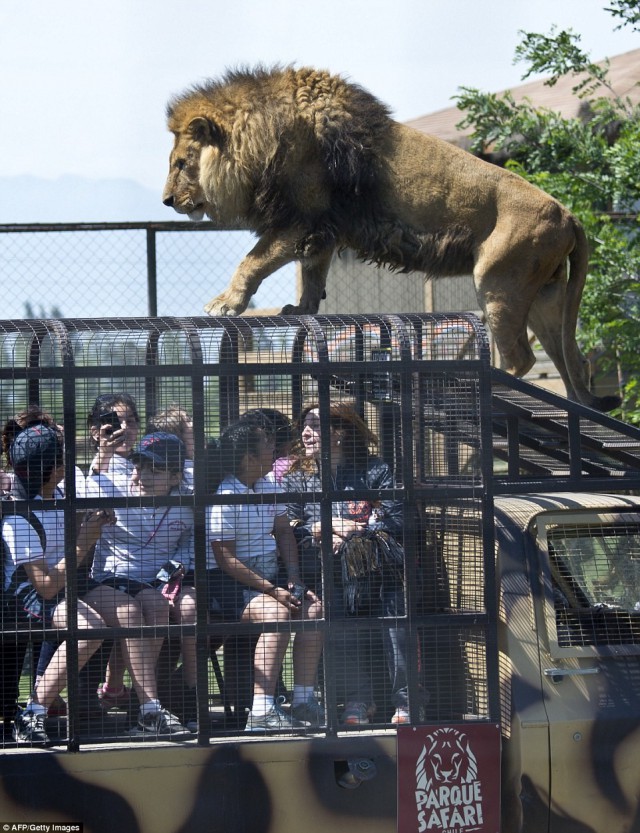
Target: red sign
<point x="449" y="778"/>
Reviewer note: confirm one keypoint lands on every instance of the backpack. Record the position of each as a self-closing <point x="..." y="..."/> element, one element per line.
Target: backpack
<point x="29" y="602"/>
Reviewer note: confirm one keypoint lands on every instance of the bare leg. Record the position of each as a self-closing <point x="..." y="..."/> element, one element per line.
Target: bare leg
<point x="186" y="614"/>
<point x="140" y="655"/>
<point x="271" y="647"/>
<point x="115" y="668"/>
<point x="307" y="648"/>
<point x="54" y="678"/>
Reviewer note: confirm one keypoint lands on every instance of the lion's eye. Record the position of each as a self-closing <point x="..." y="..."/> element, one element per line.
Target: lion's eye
<point x="181" y="164"/>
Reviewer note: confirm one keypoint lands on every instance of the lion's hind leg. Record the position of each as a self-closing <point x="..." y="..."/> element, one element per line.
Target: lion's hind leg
<point x="506" y="315"/>
<point x="545" y="320"/>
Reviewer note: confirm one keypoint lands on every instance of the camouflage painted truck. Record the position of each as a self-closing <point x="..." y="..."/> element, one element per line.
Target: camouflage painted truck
<point x="522" y="577"/>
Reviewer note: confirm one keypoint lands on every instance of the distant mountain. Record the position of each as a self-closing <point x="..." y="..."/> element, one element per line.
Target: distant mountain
<point x="75" y="199"/>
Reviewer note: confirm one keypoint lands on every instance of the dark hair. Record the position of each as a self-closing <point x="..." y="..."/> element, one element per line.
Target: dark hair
<point x="224" y="456"/>
<point x="32" y="415"/>
<point x="35" y="452"/>
<point x="106" y="402"/>
<point x="274" y="422"/>
<point x="357" y="439"/>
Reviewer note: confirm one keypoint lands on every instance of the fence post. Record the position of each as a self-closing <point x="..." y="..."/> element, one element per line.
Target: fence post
<point x="152" y="274"/>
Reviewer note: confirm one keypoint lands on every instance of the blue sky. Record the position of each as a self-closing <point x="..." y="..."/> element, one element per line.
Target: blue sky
<point x="84" y="84"/>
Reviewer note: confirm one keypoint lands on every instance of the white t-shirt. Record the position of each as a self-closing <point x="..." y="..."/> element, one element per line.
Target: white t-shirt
<point x="23" y="541"/>
<point x="187" y="473"/>
<point x="80" y="483"/>
<point x="114" y="481"/>
<point x="250" y="527"/>
<point x="143" y="538"/>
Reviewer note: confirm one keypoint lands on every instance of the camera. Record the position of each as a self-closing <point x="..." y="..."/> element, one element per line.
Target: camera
<point x="111" y="419"/>
<point x="169" y="570"/>
<point x="297" y="592"/>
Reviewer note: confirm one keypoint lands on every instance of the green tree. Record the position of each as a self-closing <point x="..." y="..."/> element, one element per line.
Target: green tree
<point x="590" y="163"/>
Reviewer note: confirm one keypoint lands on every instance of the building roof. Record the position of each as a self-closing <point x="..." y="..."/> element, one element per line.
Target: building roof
<point x="624" y="76"/>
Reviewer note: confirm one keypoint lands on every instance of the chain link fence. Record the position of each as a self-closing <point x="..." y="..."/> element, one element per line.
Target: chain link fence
<point x="124" y="269"/>
<point x="99" y="270"/>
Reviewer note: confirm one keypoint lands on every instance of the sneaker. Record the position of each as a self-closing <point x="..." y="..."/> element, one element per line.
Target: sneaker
<point x="160" y="724"/>
<point x="310" y="712"/>
<point x="57" y="709"/>
<point x="274" y="720"/>
<point x="355" y="714"/>
<point x="185" y="705"/>
<point x="28" y="727"/>
<point x="401" y="716"/>
<point x="112" y="700"/>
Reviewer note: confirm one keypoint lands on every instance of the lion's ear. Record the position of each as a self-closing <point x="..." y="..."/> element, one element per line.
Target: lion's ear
<point x="204" y="131"/>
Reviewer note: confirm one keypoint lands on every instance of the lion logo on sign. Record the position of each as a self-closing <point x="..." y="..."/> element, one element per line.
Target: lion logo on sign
<point x="446" y="758"/>
<point x="314" y="164"/>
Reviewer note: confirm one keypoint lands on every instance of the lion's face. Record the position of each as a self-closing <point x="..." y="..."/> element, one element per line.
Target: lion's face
<point x="182" y="190"/>
<point x="205" y="176"/>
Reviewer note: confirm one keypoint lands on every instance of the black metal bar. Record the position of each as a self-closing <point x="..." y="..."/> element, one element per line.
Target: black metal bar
<point x="152" y="273"/>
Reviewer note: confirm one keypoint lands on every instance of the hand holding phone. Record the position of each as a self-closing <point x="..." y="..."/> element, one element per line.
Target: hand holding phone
<point x="112" y="420"/>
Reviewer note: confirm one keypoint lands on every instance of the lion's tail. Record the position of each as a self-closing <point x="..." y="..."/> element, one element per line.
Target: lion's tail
<point x="574" y="360"/>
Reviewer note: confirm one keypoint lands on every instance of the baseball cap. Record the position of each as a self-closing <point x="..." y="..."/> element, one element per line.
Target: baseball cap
<point x="161" y="448"/>
<point x="33" y="453"/>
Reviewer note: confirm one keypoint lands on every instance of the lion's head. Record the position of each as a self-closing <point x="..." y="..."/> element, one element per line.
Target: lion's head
<point x="221" y="141"/>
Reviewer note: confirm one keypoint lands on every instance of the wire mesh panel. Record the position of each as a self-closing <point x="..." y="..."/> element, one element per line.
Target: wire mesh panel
<point x="248" y="510"/>
<point x="594" y="569"/>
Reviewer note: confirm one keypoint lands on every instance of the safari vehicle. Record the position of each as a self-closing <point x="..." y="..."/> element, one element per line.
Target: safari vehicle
<point x="522" y="548"/>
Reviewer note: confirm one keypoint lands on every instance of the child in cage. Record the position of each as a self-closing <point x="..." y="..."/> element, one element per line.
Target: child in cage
<point x="139" y="564"/>
<point x="381" y="591"/>
<point x="36" y="567"/>
<point x="176" y="420"/>
<point x="243" y="540"/>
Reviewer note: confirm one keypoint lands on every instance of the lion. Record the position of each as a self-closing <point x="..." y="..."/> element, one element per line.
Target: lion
<point x="313" y="163"/>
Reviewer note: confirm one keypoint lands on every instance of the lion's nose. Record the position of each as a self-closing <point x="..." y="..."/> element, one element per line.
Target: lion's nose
<point x="168" y="201"/>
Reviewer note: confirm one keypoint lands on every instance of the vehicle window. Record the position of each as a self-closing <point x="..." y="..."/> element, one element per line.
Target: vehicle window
<point x="597" y="566"/>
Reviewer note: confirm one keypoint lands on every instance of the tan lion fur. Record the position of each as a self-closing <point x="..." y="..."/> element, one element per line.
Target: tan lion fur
<point x="313" y="163"/>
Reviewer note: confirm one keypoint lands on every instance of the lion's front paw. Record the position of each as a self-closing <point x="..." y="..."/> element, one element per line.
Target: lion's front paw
<point x="222" y="306"/>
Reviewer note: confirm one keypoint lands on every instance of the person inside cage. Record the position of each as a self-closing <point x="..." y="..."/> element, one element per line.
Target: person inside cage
<point x="35" y="569"/>
<point x="32" y="415"/>
<point x="140" y="561"/>
<point x="368" y="559"/>
<point x="113" y="425"/>
<point x="176" y="420"/>
<point x="283" y="433"/>
<point x="243" y="542"/>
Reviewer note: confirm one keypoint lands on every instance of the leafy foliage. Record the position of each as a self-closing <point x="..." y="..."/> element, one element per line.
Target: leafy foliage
<point x="590" y="163"/>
